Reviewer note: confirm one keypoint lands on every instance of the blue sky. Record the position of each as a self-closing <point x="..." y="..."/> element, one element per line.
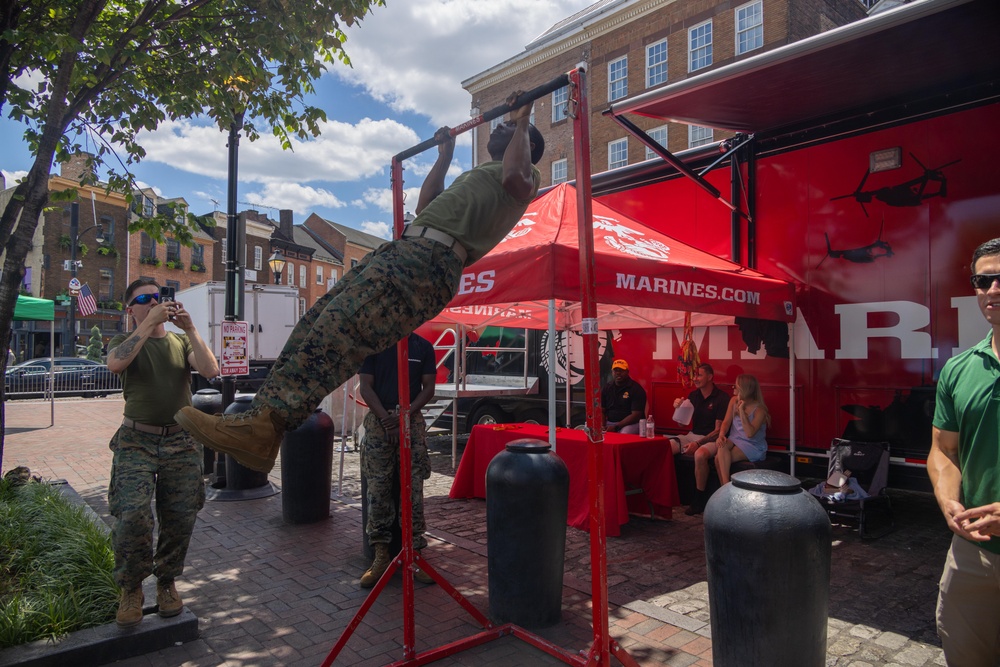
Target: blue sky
<point x="409" y="58"/>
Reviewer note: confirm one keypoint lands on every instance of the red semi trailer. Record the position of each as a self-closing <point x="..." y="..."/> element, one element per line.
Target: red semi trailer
<point x="863" y="171"/>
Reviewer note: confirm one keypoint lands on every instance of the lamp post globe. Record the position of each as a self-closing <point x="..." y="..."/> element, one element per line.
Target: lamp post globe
<point x="277" y="263"/>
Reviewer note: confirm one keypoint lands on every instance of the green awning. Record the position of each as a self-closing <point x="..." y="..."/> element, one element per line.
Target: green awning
<point x="30" y="308"/>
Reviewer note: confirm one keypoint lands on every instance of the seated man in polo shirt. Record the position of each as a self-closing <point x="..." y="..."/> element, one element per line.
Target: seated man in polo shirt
<point x="710" y="405"/>
<point x="623" y="401"/>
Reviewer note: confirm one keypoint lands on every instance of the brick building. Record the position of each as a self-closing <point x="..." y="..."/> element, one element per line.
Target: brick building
<point x="352" y="244"/>
<point x="631" y="46"/>
<point x="170" y="263"/>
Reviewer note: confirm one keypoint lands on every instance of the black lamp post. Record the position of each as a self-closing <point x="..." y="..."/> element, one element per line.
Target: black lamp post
<point x="69" y="345"/>
<point x="277" y="264"/>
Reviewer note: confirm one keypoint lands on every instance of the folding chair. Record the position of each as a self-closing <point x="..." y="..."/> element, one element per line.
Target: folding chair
<point x="868" y="463"/>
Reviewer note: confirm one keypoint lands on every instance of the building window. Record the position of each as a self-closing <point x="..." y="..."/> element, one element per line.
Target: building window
<point x="302" y="275"/>
<point x="108" y="229"/>
<point x="147" y="207"/>
<point x="258" y="258"/>
<point x="147" y="246"/>
<point x="495" y="123"/>
<point x="559" y="171"/>
<point x="106" y="291"/>
<point x="560" y="97"/>
<point x="618" y="153"/>
<point x="618" y="78"/>
<point x="354" y="263"/>
<point x="319" y="275"/>
<point x="224" y="246"/>
<point x="699" y="136"/>
<point x="656" y="63"/>
<point x="700" y="46"/>
<point x="173" y="250"/>
<point x="180" y="215"/>
<point x="175" y="284"/>
<point x="749" y="27"/>
<point x="291" y="273"/>
<point x="658" y="134"/>
<point x="198" y="254"/>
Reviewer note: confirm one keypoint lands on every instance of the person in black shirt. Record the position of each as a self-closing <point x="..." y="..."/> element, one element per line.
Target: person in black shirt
<point x="380" y="448"/>
<point x="623" y="401"/>
<point x="710" y="404"/>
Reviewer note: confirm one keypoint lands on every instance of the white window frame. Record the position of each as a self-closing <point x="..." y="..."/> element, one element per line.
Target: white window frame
<point x="618" y="85"/>
<point x="618" y="146"/>
<point x="756" y="30"/>
<point x="495" y="123"/>
<point x="699" y="136"/>
<point x="258" y="258"/>
<point x="290" y="268"/>
<point x="560" y="96"/>
<point x="654" y="134"/>
<point x="703" y="47"/>
<point x="303" y="280"/>
<point x="560" y="171"/>
<point x="656" y="66"/>
<point x="225" y="246"/>
<point x="319" y="275"/>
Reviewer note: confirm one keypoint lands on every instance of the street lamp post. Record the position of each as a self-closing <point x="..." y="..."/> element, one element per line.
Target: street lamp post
<point x="69" y="345"/>
<point x="277" y="264"/>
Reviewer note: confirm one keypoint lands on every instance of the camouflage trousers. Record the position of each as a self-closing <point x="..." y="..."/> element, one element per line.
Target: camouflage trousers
<point x="380" y="466"/>
<point x="391" y="292"/>
<point x="171" y="468"/>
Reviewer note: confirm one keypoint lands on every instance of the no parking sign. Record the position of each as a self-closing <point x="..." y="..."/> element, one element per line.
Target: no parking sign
<point x="235" y="351"/>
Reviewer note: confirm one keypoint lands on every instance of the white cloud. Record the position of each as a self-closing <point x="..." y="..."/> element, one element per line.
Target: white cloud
<point x="293" y="196"/>
<point x="380" y="229"/>
<point x="414" y="55"/>
<point x="12" y="177"/>
<point x="344" y="152"/>
<point x="381" y="199"/>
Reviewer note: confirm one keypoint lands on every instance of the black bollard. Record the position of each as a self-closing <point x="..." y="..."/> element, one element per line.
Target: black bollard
<point x="767" y="546"/>
<point x="208" y="401"/>
<point x="306" y="469"/>
<point x="238" y="476"/>
<point x="527" y="495"/>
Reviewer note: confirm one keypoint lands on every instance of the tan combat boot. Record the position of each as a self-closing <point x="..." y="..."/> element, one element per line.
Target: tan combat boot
<point x="379" y="566"/>
<point x="168" y="600"/>
<point x="253" y="437"/>
<point x="130" y="608"/>
<point x="421" y="576"/>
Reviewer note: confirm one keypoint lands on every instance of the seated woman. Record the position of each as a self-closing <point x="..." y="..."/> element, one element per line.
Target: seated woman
<point x="741" y="438"/>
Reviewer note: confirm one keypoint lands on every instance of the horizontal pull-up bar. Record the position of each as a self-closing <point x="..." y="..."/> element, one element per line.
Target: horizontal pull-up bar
<point x="495" y="112"/>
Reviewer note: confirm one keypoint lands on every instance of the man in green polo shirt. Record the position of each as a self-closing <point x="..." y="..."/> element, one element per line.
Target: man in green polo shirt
<point x="964" y="467"/>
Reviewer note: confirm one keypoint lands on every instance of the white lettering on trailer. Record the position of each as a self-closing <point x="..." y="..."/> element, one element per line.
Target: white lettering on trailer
<point x="855" y="332"/>
<point x="635" y="283"/>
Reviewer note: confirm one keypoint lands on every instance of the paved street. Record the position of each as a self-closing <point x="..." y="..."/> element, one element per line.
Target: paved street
<point x="267" y="593"/>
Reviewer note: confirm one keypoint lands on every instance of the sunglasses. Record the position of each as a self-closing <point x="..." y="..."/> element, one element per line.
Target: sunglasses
<point x="144" y="299"/>
<point x="983" y="281"/>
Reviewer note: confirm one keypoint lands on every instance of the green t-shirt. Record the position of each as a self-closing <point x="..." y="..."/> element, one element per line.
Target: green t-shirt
<point x="476" y="209"/>
<point x="158" y="381"/>
<point x="968" y="402"/>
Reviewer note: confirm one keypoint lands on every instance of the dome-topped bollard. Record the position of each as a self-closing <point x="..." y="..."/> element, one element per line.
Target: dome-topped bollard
<point x="767" y="546"/>
<point x="307" y="469"/>
<point x="242" y="483"/>
<point x="527" y="496"/>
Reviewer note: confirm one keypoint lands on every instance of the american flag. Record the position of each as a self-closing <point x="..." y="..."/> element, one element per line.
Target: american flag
<point x="85" y="303"/>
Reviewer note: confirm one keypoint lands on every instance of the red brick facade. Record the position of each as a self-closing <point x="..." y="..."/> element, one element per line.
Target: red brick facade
<point x="628" y="32"/>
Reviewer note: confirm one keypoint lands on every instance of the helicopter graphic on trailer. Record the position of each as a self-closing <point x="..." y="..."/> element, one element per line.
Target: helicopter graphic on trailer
<point x="863" y="255"/>
<point x="909" y="193"/>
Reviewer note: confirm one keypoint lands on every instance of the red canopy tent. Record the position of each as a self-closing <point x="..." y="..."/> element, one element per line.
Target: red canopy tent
<point x="643" y="278"/>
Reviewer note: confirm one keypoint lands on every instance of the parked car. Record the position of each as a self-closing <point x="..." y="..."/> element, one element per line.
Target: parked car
<point x="71" y="377"/>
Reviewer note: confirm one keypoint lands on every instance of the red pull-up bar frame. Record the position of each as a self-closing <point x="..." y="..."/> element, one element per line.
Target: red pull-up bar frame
<point x="604" y="645"/>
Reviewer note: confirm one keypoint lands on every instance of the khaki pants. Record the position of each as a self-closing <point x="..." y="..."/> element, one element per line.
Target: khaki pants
<point x="968" y="610"/>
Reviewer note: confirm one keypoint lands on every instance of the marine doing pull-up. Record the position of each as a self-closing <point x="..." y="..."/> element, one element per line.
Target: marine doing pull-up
<point x="391" y="292"/>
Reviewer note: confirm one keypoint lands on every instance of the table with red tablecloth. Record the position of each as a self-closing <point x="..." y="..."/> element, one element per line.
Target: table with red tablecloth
<point x="642" y="466"/>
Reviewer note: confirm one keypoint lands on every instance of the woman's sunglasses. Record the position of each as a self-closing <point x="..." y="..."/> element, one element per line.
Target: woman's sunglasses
<point x="984" y="280"/>
<point x="143" y="299"/>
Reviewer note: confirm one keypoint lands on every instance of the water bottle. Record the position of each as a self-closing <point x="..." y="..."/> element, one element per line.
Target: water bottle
<point x="650" y="427"/>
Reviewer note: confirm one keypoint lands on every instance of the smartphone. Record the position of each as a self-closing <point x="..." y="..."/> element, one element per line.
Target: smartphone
<point x="167" y="294"/>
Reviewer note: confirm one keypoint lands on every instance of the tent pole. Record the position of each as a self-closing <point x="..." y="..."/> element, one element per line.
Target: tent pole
<point x="552" y="375"/>
<point x="791" y="398"/>
<point x="52" y="376"/>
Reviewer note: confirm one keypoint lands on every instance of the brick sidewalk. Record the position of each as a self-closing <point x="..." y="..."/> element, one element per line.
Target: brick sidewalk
<point x="267" y="593"/>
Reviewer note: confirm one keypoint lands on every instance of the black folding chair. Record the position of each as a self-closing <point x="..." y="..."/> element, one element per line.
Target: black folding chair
<point x="868" y="463"/>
